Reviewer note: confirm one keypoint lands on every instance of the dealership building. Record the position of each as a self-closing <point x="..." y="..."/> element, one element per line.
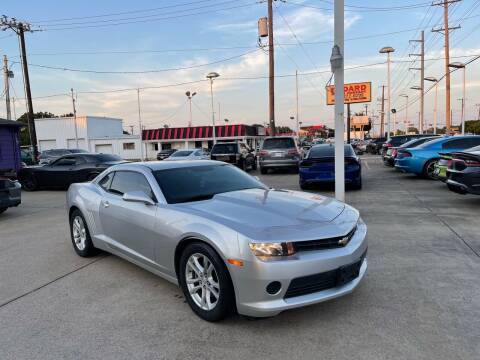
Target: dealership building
<point x="106" y="135"/>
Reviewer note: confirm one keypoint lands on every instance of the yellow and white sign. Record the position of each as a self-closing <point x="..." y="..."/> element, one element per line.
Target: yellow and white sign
<point x="354" y="93"/>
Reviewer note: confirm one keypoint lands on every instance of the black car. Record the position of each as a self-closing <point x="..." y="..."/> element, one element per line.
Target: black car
<point x="66" y="170"/>
<point x="375" y="145"/>
<point x="391" y="154"/>
<point x="463" y="173"/>
<point x="237" y="153"/>
<point x="162" y="155"/>
<point x="399" y="140"/>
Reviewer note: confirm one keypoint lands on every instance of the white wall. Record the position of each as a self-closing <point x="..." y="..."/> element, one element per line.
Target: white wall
<point x="115" y="146"/>
<point x="104" y="127"/>
<point x="60" y="129"/>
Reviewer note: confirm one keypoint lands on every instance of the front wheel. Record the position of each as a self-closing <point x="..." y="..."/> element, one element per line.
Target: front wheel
<point x="81" y="240"/>
<point x="206" y="283"/>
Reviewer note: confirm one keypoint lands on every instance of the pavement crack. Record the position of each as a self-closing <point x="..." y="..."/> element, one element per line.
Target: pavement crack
<point x="444" y="223"/>
<point x="101" y="257"/>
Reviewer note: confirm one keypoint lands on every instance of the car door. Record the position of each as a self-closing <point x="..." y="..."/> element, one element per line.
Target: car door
<point x="129" y="226"/>
<point x="58" y="173"/>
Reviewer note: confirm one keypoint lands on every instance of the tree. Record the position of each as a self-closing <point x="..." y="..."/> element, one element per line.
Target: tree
<point x="24" y="134"/>
<point x="472" y="126"/>
<point x="283" y="130"/>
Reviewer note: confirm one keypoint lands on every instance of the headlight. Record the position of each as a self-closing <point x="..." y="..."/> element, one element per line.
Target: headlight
<point x="272" y="249"/>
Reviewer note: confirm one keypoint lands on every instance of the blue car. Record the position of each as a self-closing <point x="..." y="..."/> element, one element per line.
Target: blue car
<point x="318" y="167"/>
<point x="421" y="160"/>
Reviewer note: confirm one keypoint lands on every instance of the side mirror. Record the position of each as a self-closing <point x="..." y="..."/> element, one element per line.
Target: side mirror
<point x="138" y="196"/>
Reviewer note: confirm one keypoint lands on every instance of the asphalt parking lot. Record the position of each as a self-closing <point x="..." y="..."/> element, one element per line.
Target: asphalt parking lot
<point x="419" y="300"/>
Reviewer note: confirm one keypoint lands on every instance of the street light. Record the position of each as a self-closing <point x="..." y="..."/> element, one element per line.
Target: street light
<point x="211" y="76"/>
<point x="388" y="50"/>
<point x="435" y="114"/>
<point x="406" y="112"/>
<point x="459" y="65"/>
<point x="190" y="96"/>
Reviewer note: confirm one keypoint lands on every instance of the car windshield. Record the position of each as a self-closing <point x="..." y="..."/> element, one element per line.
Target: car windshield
<point x="278" y="143"/>
<point x="224" y="149"/>
<point x="106" y="157"/>
<point x="321" y="151"/>
<point x="197" y="183"/>
<point x="181" y="153"/>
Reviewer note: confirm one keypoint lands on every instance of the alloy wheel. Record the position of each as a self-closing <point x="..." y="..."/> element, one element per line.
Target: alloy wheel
<point x="79" y="233"/>
<point x="202" y="281"/>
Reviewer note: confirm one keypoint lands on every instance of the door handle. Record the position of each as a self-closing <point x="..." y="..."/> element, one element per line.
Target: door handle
<point x="105" y="203"/>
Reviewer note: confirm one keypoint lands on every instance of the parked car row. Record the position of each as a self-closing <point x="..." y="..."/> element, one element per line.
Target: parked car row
<point x="454" y="160"/>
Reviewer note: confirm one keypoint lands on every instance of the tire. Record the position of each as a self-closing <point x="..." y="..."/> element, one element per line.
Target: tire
<point x="254" y="164"/>
<point x="3" y="209"/>
<point x="80" y="235"/>
<point x="295" y="170"/>
<point x="192" y="261"/>
<point x="29" y="183"/>
<point x="304" y="186"/>
<point x="263" y="170"/>
<point x="428" y="169"/>
<point x="357" y="185"/>
<point x="243" y="165"/>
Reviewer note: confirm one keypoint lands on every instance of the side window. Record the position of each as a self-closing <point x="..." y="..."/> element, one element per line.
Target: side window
<point x="472" y="142"/>
<point x="65" y="161"/>
<point x="126" y="181"/>
<point x="104" y="183"/>
<point x="456" y="144"/>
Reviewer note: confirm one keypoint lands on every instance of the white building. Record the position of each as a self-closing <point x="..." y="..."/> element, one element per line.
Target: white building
<point x="90" y="133"/>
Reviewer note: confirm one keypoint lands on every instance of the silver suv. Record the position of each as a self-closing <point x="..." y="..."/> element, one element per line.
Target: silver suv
<point x="279" y="152"/>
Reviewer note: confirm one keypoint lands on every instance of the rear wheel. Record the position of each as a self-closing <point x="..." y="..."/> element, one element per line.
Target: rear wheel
<point x="29" y="183"/>
<point x="429" y="168"/>
<point x="81" y="240"/>
<point x="206" y="283"/>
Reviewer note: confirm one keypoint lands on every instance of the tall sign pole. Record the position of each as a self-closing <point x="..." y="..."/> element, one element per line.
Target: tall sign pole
<point x="337" y="65"/>
<point x="6" y="74"/>
<point x="271" y="68"/>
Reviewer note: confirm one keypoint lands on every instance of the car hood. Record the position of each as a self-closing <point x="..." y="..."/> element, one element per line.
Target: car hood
<point x="277" y="215"/>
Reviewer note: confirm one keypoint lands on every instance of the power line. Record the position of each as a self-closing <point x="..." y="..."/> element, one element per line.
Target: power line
<point x="141" y="71"/>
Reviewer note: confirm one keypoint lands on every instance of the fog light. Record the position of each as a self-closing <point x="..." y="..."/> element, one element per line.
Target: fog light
<point x="274" y="287"/>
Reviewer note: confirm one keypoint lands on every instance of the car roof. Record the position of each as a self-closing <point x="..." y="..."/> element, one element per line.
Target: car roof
<point x="164" y="165"/>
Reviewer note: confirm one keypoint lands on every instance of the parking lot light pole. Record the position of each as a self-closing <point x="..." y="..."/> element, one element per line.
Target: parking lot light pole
<point x="459" y="65"/>
<point x="190" y="95"/>
<point x="435" y="107"/>
<point x="388" y="50"/>
<point x="337" y="66"/>
<point x="212" y="76"/>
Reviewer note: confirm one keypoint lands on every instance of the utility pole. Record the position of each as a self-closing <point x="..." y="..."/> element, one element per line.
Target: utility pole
<point x="140" y="128"/>
<point x="271" y="69"/>
<point x="19" y="28"/>
<point x="75" y="118"/>
<point x="348" y="123"/>
<point x="446" y="31"/>
<point x="296" y="91"/>
<point x="7" y="74"/>
<point x="478" y="116"/>
<point x="382" y="115"/>
<point x="422" y="79"/>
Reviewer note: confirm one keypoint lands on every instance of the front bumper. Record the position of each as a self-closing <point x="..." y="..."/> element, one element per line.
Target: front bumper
<point x="10" y="193"/>
<point x="250" y="282"/>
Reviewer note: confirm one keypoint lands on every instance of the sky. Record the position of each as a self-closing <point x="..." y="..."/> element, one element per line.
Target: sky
<point x="167" y="47"/>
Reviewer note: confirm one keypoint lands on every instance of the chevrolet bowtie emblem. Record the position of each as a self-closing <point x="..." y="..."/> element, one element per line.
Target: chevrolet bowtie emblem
<point x="343" y="241"/>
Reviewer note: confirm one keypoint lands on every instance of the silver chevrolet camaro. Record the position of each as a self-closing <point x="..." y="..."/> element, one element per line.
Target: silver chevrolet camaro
<point x="230" y="242"/>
